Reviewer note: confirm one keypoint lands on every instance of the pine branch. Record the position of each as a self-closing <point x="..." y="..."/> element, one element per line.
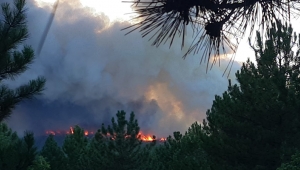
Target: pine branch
<point x="212" y="21"/>
<point x="10" y="98"/>
<point x="16" y="64"/>
<point x="13" y="31"/>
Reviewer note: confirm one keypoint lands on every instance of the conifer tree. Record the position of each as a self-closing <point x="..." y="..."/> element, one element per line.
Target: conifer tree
<point x="13" y="32"/>
<point x="53" y="154"/>
<point x="181" y="152"/>
<point x="40" y="164"/>
<point x="124" y="148"/>
<point x="215" y="24"/>
<point x="75" y="149"/>
<point x="255" y="123"/>
<point x="27" y="151"/>
<point x="97" y="153"/>
<point x="16" y="153"/>
<point x="294" y="164"/>
<point x="8" y="150"/>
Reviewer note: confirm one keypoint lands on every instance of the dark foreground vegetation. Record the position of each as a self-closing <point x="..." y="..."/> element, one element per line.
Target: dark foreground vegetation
<point x="254" y="125"/>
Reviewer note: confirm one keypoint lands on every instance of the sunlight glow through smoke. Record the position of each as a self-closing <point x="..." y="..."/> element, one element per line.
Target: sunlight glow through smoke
<point x="116" y="10"/>
<point x="93" y="70"/>
<point x="166" y="100"/>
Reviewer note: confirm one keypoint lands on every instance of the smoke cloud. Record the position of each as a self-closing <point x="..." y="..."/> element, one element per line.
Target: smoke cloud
<point x="93" y="70"/>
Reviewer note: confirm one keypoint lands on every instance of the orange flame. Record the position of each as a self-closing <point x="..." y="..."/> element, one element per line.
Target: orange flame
<point x="71" y="130"/>
<point x="149" y="138"/>
<point x="50" y="132"/>
<point x="145" y="138"/>
<point x="162" y="139"/>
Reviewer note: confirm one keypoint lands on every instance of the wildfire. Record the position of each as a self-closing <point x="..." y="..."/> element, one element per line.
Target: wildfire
<point x="149" y="138"/>
<point x="71" y="130"/>
<point x="57" y="132"/>
<point x="162" y="139"/>
<point x="145" y="138"/>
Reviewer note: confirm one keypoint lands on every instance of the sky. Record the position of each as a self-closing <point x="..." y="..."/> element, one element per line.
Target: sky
<point x="93" y="70"/>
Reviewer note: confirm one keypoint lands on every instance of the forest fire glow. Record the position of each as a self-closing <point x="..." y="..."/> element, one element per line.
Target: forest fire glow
<point x="144" y="138"/>
<point x="149" y="138"/>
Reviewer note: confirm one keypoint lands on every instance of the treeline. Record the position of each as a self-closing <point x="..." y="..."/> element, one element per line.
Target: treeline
<point x="116" y="147"/>
<point x="253" y="125"/>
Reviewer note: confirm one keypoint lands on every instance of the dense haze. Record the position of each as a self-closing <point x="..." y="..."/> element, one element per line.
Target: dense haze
<point x="93" y="70"/>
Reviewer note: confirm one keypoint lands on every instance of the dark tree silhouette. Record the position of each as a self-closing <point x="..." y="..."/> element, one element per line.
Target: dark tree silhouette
<point x="14" y="59"/>
<point x="215" y="23"/>
<point x="212" y="21"/>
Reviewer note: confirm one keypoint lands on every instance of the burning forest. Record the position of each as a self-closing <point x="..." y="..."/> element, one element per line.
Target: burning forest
<point x="91" y="133"/>
<point x="92" y="71"/>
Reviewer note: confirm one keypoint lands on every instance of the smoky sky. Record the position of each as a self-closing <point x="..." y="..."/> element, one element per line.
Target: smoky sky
<point x="93" y="70"/>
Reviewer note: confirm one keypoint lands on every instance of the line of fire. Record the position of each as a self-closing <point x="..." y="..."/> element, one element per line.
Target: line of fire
<point x="144" y="138"/>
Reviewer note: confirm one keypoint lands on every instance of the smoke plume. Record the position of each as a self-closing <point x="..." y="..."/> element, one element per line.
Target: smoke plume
<point x="93" y="70"/>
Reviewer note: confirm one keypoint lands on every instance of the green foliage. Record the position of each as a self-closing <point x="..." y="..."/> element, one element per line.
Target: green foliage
<point x="181" y="152"/>
<point x="294" y="164"/>
<point x="40" y="164"/>
<point x="123" y="144"/>
<point x="75" y="148"/>
<point x="97" y="153"/>
<point x="13" y="31"/>
<point x="8" y="151"/>
<point x="255" y="125"/>
<point x="53" y="154"/>
<point x="118" y="147"/>
<point x="16" y="153"/>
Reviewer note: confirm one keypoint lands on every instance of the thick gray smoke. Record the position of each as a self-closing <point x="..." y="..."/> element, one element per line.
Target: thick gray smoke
<point x="93" y="70"/>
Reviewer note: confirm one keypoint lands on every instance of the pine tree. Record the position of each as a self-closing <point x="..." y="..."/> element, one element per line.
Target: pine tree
<point x="75" y="149"/>
<point x="8" y="150"/>
<point x="27" y="151"/>
<point x="16" y="153"/>
<point x="124" y="148"/>
<point x="97" y="153"/>
<point x="53" y="154"/>
<point x="294" y="164"/>
<point x="255" y="123"/>
<point x="181" y="152"/>
<point x="40" y="164"/>
<point x="213" y="22"/>
<point x="13" y="31"/>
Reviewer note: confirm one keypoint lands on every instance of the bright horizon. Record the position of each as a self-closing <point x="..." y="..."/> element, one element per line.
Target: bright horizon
<point x="120" y="10"/>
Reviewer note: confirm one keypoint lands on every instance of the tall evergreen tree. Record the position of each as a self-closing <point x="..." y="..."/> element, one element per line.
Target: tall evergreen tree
<point x="124" y="148"/>
<point x="13" y="31"/>
<point x="8" y="150"/>
<point x="53" y="154"/>
<point x="75" y="148"/>
<point x="16" y="153"/>
<point x="40" y="164"/>
<point x="181" y="152"/>
<point x="27" y="151"/>
<point x="255" y="123"/>
<point x="97" y="153"/>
